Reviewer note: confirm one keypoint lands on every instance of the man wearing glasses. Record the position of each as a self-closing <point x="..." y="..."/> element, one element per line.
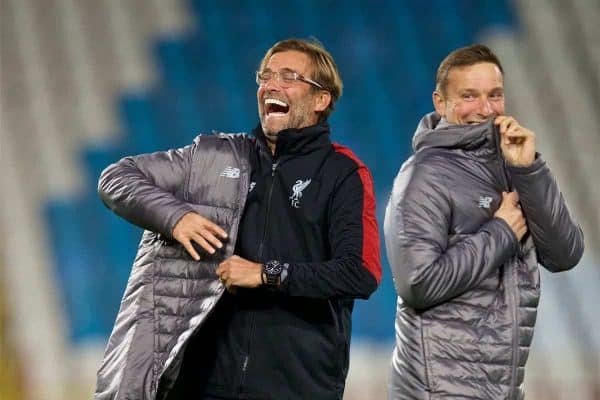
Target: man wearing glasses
<point x="254" y="251"/>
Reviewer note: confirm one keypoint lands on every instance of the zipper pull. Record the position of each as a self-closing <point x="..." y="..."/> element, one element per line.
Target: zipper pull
<point x="273" y="168"/>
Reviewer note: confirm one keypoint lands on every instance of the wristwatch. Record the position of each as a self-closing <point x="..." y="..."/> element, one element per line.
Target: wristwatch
<point x="272" y="273"/>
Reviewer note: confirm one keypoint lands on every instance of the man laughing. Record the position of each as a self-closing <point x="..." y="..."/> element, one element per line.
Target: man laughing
<point x="254" y="251"/>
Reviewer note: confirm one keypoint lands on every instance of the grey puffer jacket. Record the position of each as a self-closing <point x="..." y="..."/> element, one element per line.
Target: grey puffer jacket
<point x="169" y="295"/>
<point x="468" y="290"/>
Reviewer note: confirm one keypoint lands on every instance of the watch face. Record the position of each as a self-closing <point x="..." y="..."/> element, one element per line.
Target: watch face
<point x="273" y="268"/>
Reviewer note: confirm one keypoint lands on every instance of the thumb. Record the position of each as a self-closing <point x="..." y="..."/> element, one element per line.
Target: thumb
<point x="514" y="197"/>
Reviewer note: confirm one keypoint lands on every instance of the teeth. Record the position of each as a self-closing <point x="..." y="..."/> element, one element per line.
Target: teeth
<point x="275" y="101"/>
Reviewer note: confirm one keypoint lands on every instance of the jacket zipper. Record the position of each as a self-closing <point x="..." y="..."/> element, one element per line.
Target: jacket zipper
<point x="247" y="355"/>
<point x="515" y="303"/>
<point x="512" y="285"/>
<point x="260" y="254"/>
<point x="264" y="235"/>
<point x="515" y="331"/>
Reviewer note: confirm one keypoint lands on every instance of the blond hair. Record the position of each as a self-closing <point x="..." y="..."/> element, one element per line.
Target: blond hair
<point x="325" y="71"/>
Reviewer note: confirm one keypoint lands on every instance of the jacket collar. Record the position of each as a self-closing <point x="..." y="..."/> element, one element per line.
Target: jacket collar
<point x="295" y="141"/>
<point x="481" y="139"/>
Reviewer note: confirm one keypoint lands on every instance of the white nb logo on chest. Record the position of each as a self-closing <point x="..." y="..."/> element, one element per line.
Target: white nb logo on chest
<point x="297" y="189"/>
<point x="484" y="201"/>
<point x="231" y="172"/>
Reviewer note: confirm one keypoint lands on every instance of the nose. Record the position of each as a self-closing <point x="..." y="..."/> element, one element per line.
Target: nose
<point x="485" y="106"/>
<point x="272" y="84"/>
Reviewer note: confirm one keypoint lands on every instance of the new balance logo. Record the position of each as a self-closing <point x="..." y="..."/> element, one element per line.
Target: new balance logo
<point x="231" y="172"/>
<point x="484" y="202"/>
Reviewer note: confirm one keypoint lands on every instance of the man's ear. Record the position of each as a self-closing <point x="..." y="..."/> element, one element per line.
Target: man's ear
<point x="439" y="103"/>
<point x="322" y="100"/>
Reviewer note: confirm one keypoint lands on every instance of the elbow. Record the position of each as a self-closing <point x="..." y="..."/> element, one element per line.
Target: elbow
<point x="562" y="263"/>
<point x="413" y="285"/>
<point x="414" y="295"/>
<point x="111" y="182"/>
<point x="564" y="260"/>
<point x="367" y="287"/>
<point x="106" y="185"/>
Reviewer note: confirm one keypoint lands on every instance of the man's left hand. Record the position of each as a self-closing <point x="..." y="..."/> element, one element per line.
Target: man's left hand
<point x="517" y="143"/>
<point x="237" y="271"/>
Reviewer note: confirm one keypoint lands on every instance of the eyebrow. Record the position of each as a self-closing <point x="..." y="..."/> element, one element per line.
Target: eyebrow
<point x="473" y="90"/>
<point x="282" y="69"/>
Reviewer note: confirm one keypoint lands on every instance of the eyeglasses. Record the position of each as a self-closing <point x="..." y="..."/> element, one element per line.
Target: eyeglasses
<point x="285" y="78"/>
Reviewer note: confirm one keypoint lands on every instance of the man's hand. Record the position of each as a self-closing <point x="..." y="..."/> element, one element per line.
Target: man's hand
<point x="517" y="143"/>
<point x="510" y="212"/>
<point x="193" y="227"/>
<point x="237" y="271"/>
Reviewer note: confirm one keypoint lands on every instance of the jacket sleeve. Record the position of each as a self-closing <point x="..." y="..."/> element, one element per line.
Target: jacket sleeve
<point x="141" y="189"/>
<point x="426" y="268"/>
<point x="557" y="237"/>
<point x="354" y="270"/>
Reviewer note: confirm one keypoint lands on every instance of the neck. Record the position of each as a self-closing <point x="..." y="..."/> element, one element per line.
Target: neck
<point x="271" y="141"/>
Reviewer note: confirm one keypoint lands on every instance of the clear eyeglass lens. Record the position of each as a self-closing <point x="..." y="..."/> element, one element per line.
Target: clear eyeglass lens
<point x="284" y="77"/>
<point x="288" y="77"/>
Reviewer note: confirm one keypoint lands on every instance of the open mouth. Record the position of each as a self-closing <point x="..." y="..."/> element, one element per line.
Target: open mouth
<point x="274" y="107"/>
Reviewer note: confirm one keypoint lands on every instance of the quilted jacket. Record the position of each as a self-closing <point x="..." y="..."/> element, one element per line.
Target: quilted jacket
<point x="169" y="295"/>
<point x="467" y="289"/>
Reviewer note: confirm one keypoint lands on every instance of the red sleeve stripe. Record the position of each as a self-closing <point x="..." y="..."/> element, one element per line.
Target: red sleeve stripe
<point x="370" y="251"/>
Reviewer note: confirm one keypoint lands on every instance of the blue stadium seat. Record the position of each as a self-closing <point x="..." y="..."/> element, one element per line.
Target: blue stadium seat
<point x="387" y="54"/>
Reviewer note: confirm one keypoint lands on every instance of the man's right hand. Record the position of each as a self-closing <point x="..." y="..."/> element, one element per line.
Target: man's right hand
<point x="193" y="227"/>
<point x="510" y="212"/>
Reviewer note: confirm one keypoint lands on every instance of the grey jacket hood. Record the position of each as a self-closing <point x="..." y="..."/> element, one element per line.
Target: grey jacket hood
<point x="467" y="137"/>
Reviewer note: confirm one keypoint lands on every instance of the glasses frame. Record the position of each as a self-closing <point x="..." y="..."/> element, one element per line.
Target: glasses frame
<point x="297" y="77"/>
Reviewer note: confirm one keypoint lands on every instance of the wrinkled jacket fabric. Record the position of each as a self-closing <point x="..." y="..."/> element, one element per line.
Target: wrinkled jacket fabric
<point x="168" y="295"/>
<point x="467" y="289"/>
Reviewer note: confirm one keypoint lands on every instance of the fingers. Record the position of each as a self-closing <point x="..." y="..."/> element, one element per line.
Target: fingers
<point x="216" y="229"/>
<point x="222" y="267"/>
<point x="503" y="122"/>
<point x="510" y="211"/>
<point x="197" y="238"/>
<point x="210" y="239"/>
<point x="511" y="198"/>
<point x="511" y="131"/>
<point x="238" y="272"/>
<point x="223" y="273"/>
<point x="228" y="283"/>
<point x="195" y="228"/>
<point x="520" y="227"/>
<point x="190" y="249"/>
